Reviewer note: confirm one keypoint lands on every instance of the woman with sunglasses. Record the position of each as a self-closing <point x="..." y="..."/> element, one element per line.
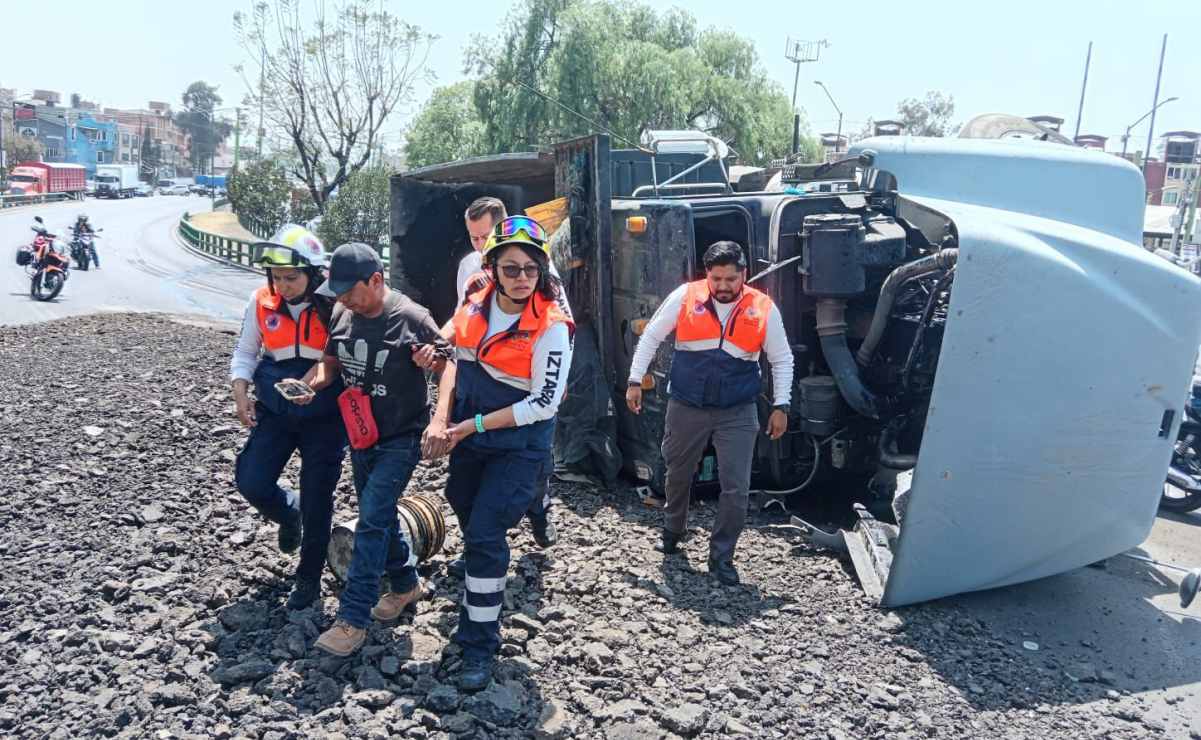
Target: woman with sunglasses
<point x="284" y="333"/>
<point x="512" y="353"/>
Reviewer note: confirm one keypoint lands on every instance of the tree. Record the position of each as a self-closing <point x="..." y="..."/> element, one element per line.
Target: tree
<point x="152" y="155"/>
<point x="361" y="210"/>
<point x="75" y="100"/>
<point x="929" y="117"/>
<point x="627" y="68"/>
<point x="260" y="194"/>
<point x="447" y="127"/>
<point x="331" y="88"/>
<point x="200" y="100"/>
<point x="20" y="148"/>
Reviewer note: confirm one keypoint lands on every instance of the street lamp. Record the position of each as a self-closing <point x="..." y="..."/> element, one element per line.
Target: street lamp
<point x="1126" y="136"/>
<point x="838" y="136"/>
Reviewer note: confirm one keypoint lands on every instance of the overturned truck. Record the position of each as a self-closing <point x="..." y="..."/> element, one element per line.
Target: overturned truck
<point x="981" y="343"/>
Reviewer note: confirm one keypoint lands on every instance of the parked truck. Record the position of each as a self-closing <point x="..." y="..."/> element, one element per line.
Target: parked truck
<point x="116" y="180"/>
<point x="44" y="178"/>
<point x="989" y="366"/>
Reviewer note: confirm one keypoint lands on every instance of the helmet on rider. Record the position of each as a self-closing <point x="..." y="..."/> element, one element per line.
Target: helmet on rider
<point x="82" y="218"/>
<point x="292" y="246"/>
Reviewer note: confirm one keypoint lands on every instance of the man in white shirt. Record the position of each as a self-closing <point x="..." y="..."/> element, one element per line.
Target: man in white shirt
<point x="721" y="327"/>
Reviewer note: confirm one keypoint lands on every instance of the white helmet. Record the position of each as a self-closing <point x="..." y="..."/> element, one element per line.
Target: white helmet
<point x="291" y="246"/>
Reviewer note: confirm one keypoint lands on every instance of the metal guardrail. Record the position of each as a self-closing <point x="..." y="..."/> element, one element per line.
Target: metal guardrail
<point x="226" y="248"/>
<point x="12" y="201"/>
<point x="234" y="251"/>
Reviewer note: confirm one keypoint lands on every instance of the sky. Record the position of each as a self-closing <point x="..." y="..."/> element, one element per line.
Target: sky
<point x="1019" y="57"/>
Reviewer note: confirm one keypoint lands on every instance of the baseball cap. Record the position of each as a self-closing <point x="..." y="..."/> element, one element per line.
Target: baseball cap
<point x="349" y="264"/>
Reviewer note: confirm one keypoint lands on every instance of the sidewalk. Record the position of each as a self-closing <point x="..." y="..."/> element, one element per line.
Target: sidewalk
<point x="221" y="223"/>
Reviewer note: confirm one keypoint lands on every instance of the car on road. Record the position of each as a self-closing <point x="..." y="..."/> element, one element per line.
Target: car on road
<point x="175" y="190"/>
<point x="143" y="191"/>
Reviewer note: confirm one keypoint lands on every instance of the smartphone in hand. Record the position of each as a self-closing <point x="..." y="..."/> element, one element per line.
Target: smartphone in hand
<point x="294" y="390"/>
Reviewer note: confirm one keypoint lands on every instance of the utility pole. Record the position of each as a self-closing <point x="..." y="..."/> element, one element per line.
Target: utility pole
<point x="1088" y="60"/>
<point x="798" y="52"/>
<point x="1159" y="75"/>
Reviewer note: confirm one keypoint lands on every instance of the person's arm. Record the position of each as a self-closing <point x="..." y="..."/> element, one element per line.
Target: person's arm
<point x="323" y="373"/>
<point x="779" y="356"/>
<point x="243" y="363"/>
<point x="661" y="325"/>
<point x="436" y="440"/>
<point x="550" y="365"/>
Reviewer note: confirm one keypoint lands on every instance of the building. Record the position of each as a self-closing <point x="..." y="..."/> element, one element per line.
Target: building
<point x="1181" y="155"/>
<point x="1092" y="141"/>
<point x="154" y="129"/>
<point x="888" y="128"/>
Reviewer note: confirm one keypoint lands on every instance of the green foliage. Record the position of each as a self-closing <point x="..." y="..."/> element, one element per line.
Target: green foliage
<point x="21" y="149"/>
<point x="447" y="127"/>
<point x="628" y="68"/>
<point x="929" y="117"/>
<point x="200" y="99"/>
<point x="260" y="194"/>
<point x="359" y="212"/>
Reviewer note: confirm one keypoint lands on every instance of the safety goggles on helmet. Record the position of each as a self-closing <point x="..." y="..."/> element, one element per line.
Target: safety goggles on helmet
<point x="516" y="230"/>
<point x="290" y="246"/>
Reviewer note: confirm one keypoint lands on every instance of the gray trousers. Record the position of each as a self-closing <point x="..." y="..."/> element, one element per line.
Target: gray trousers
<point x="686" y="433"/>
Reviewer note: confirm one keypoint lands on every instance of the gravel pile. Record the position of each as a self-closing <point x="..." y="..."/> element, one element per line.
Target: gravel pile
<point x="141" y="597"/>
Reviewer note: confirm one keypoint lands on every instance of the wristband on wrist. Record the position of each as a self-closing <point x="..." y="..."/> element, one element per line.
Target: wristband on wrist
<point x="479" y="423"/>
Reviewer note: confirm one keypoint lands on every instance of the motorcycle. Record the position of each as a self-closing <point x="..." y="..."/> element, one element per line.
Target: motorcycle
<point x="1182" y="490"/>
<point x="83" y="249"/>
<point x="46" y="267"/>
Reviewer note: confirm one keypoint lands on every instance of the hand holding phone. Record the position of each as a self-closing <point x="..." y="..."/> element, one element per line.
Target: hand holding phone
<point x="295" y="391"/>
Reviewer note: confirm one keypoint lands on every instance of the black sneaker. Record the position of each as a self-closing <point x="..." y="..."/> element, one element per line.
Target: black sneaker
<point x="475" y="674"/>
<point x="290" y="532"/>
<point x="671" y="542"/>
<point x="304" y="593"/>
<point x="457" y="568"/>
<point x="723" y="570"/>
<point x="545" y="533"/>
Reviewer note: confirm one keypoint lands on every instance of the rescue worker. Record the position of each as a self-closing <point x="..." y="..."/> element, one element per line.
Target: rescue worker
<point x="481" y="216"/>
<point x="283" y="335"/>
<point x="513" y="352"/>
<point x="385" y="408"/>
<point x="721" y="327"/>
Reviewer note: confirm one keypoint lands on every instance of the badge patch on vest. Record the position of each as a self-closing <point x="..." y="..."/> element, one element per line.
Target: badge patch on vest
<point x="475" y="309"/>
<point x="272" y="322"/>
<point x="752" y="312"/>
<point x="699" y="308"/>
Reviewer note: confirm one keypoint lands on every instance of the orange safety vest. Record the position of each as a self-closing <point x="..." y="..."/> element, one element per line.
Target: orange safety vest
<point x="698" y="328"/>
<point x="507" y="356"/>
<point x="284" y="338"/>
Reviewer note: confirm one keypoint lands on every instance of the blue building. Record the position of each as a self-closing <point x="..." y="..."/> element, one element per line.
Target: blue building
<point x="70" y="136"/>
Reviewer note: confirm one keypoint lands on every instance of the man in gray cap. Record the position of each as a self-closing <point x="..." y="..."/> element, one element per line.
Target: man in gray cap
<point x="372" y="335"/>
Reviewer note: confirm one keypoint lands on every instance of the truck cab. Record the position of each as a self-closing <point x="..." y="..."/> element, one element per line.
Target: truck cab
<point x="936" y="294"/>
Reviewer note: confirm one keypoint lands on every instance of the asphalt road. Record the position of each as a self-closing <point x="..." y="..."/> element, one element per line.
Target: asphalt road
<point x="1124" y="617"/>
<point x="143" y="266"/>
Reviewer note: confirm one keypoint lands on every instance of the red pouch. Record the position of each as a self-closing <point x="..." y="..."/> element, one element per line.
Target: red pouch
<point x="355" y="406"/>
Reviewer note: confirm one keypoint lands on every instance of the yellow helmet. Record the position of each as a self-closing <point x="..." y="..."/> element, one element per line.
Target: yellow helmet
<point x="290" y="246"/>
<point x="516" y="230"/>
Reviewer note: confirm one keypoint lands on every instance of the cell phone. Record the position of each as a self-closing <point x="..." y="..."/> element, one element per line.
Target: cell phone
<point x="293" y="389"/>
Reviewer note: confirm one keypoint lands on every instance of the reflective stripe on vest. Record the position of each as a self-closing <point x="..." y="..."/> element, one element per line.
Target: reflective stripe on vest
<point x="508" y="355"/>
<point x="698" y="328"/>
<point x="283" y="337"/>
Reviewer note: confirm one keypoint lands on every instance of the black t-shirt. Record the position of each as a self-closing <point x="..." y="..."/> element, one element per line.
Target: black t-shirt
<point x="399" y="398"/>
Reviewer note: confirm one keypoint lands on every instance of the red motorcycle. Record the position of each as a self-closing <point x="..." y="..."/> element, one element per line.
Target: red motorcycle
<point x="46" y="267"/>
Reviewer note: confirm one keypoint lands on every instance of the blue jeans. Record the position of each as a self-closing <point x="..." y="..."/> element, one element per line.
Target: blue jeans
<point x="489" y="493"/>
<point x="322" y="444"/>
<point x="381" y="474"/>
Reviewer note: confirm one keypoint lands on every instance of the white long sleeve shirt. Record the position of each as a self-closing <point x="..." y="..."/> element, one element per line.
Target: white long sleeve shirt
<point x="663" y="323"/>
<point x="249" y="348"/>
<point x="552" y="360"/>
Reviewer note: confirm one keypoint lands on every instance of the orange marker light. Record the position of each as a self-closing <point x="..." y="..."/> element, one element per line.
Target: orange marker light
<point x="636" y="224"/>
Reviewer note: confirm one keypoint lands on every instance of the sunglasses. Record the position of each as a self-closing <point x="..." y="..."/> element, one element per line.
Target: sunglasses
<point x="274" y="255"/>
<point x="531" y="270"/>
<point x="513" y="224"/>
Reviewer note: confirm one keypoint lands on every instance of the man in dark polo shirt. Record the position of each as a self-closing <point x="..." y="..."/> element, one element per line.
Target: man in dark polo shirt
<point x="372" y="334"/>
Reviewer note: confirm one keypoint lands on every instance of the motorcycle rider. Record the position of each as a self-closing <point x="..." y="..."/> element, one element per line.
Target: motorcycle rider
<point x="83" y="226"/>
<point x="283" y="335"/>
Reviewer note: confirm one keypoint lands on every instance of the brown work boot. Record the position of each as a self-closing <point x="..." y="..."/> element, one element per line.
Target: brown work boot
<point x="342" y="639"/>
<point x="391" y="604"/>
